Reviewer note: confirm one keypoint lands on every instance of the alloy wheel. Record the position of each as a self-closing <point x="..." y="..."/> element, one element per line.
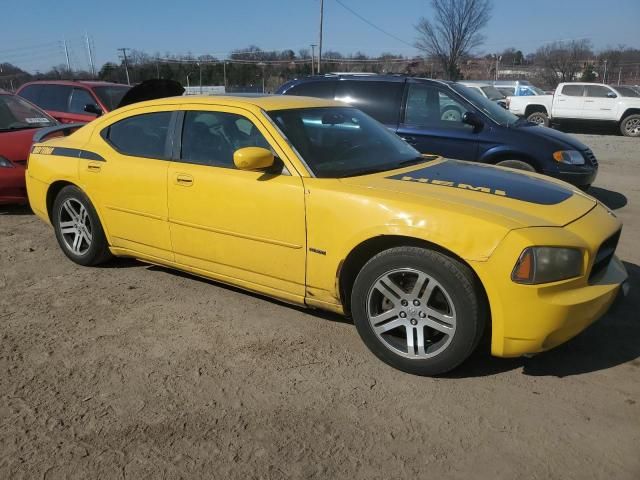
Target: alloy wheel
<point x="75" y="226"/>
<point x="411" y="313"/>
<point x="632" y="127"/>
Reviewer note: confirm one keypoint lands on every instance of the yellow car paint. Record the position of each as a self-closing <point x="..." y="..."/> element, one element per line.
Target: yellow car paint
<point x="290" y="235"/>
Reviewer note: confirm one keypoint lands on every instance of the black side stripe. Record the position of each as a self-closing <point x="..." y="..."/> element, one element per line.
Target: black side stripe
<point x="77" y="153"/>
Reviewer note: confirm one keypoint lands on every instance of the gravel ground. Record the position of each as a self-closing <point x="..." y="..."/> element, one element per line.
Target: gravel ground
<point x="141" y="372"/>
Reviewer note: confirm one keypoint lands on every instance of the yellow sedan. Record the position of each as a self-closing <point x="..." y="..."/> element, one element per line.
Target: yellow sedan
<point x="315" y="203"/>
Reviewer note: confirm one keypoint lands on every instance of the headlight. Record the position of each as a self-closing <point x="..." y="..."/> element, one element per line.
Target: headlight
<point x="570" y="157"/>
<point x="4" y="163"/>
<point x="547" y="264"/>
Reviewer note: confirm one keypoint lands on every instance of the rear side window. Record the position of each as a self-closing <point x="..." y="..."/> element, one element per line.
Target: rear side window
<point x="324" y="89"/>
<point x="140" y="136"/>
<point x="597" y="91"/>
<point x="573" y="90"/>
<point x="381" y="100"/>
<point x="79" y="98"/>
<point x="30" y="93"/>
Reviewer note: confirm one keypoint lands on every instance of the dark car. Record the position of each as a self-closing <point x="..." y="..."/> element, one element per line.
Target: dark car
<point x="19" y="120"/>
<point x="74" y="101"/>
<point x="452" y="120"/>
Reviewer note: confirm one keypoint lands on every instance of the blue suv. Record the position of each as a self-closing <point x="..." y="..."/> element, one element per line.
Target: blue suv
<point x="449" y="119"/>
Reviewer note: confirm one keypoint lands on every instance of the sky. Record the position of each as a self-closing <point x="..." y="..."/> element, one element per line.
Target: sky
<point x="33" y="31"/>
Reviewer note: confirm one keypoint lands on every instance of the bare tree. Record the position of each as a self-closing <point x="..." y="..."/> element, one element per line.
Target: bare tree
<point x="562" y="61"/>
<point x="453" y="32"/>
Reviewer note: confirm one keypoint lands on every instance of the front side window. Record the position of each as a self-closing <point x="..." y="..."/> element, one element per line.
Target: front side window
<point x="507" y="91"/>
<point x="573" y="90"/>
<point x="492" y="93"/>
<point x="429" y="106"/>
<point x="627" y="91"/>
<point x="79" y="98"/>
<point x="211" y="138"/>
<point x="341" y="141"/>
<point x="18" y="114"/>
<point x="597" y="91"/>
<point x="494" y="111"/>
<point x="140" y="136"/>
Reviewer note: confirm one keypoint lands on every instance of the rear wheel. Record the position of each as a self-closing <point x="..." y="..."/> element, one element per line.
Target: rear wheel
<point x="630" y="126"/>
<point x="539" y="118"/>
<point x="517" y="164"/>
<point x="418" y="310"/>
<point x="78" y="229"/>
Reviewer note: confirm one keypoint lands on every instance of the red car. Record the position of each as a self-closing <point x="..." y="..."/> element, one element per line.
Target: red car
<point x="19" y="120"/>
<point x="74" y="101"/>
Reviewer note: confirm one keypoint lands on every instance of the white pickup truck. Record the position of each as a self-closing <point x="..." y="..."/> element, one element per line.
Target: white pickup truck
<point x="586" y="102"/>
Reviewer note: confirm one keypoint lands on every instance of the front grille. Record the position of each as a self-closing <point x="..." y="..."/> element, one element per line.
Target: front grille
<point x="590" y="158"/>
<point x="604" y="256"/>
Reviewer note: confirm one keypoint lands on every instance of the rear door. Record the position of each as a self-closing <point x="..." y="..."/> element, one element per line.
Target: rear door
<point x="598" y="105"/>
<point x="432" y="122"/>
<point x="568" y="102"/>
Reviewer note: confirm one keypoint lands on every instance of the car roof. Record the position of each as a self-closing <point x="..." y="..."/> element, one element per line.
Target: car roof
<point x="84" y="83"/>
<point x="264" y="102"/>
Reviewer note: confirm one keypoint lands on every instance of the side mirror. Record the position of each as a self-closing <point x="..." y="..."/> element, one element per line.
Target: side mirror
<point x="253" y="158"/>
<point x="611" y="95"/>
<point x="471" y="118"/>
<point x="94" y="109"/>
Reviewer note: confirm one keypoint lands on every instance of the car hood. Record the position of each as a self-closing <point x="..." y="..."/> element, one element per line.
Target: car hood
<point x="561" y="139"/>
<point x="150" y="90"/>
<point x="514" y="198"/>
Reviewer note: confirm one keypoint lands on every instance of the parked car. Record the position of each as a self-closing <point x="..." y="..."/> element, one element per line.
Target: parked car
<point x="19" y="120"/>
<point x="454" y="121"/>
<point x="74" y="101"/>
<point x="488" y="91"/>
<point x="316" y="203"/>
<point x="511" y="88"/>
<point x="592" y="103"/>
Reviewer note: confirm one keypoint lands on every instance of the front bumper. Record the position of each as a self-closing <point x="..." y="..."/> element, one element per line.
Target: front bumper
<point x="530" y="319"/>
<point x="580" y="177"/>
<point x="12" y="185"/>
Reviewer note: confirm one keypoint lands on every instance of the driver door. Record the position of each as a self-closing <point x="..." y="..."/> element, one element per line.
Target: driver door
<point x="432" y="123"/>
<point x="247" y="227"/>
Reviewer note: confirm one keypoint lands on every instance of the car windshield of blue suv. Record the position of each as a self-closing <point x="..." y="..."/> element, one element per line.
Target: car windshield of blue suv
<point x="494" y="111"/>
<point x="18" y="114"/>
<point x="340" y="142"/>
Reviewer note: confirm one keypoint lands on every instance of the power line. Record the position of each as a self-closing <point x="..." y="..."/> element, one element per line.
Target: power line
<point x="371" y="24"/>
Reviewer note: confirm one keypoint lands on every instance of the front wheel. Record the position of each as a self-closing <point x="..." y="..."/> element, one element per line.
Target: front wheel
<point x="517" y="165"/>
<point x="630" y="126"/>
<point x="418" y="310"/>
<point x="539" y="118"/>
<point x="78" y="229"/>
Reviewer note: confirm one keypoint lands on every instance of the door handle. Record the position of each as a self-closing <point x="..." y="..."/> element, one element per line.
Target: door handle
<point x="184" y="180"/>
<point x="94" y="167"/>
<point x="409" y="139"/>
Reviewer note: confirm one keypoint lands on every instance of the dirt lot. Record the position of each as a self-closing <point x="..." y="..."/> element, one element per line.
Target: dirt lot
<point x="140" y="372"/>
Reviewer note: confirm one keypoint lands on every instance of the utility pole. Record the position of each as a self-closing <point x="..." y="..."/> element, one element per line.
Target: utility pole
<point x="200" y="68"/>
<point x="320" y="43"/>
<point x="224" y="75"/>
<point x="619" y="75"/>
<point x="313" y="57"/>
<point x="66" y="53"/>
<point x="93" y="68"/>
<point x="604" y="77"/>
<point x="126" y="65"/>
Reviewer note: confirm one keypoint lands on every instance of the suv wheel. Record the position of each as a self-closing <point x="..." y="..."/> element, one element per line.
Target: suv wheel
<point x="418" y="310"/>
<point x="517" y="165"/>
<point x="78" y="229"/>
<point x="630" y="126"/>
<point x="539" y="118"/>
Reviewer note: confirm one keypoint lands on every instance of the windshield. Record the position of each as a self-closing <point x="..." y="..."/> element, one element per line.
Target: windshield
<point x="494" y="111"/>
<point x="492" y="93"/>
<point x="340" y="142"/>
<point x="110" y="96"/>
<point x="626" y="91"/>
<point x="16" y="114"/>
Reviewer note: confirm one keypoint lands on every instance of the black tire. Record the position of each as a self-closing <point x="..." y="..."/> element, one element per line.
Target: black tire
<point x="93" y="251"/>
<point x="517" y="165"/>
<point x="630" y="126"/>
<point x="539" y="118"/>
<point x="462" y="290"/>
